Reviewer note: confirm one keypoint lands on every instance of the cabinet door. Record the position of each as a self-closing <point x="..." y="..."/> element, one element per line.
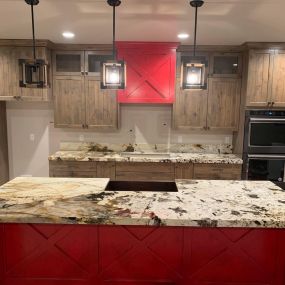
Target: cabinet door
<point x="278" y="82"/>
<point x="69" y="108"/>
<point x="190" y="108"/>
<point x="223" y="103"/>
<point x="4" y="164"/>
<point x="101" y="105"/>
<point x="150" y="72"/>
<point x="8" y="74"/>
<point x="226" y="65"/>
<point x="68" y="63"/>
<point x="258" y="78"/>
<point x="93" y="60"/>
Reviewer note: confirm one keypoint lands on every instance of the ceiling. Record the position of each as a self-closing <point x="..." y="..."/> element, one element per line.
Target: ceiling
<point x="222" y="22"/>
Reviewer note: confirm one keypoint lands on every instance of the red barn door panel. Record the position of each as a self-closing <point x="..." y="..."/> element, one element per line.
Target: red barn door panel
<point x="151" y="72"/>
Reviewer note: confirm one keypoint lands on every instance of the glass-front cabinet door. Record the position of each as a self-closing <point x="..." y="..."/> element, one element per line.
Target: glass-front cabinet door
<point x="226" y="65"/>
<point x="93" y="60"/>
<point x="68" y="63"/>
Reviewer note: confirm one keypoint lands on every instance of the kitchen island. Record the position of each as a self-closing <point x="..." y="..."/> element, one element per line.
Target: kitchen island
<point x="73" y="231"/>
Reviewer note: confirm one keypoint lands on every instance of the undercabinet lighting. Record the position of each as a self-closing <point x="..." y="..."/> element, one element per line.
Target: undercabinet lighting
<point x="68" y="35"/>
<point x="183" y="36"/>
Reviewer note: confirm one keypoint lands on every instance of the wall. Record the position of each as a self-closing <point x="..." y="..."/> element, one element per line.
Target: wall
<point x="32" y="137"/>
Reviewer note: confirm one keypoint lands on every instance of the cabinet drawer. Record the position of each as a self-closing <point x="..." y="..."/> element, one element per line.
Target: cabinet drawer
<point x="217" y="171"/>
<point x="145" y="176"/>
<point x="144" y="167"/>
<point x="73" y="166"/>
<point x="78" y="174"/>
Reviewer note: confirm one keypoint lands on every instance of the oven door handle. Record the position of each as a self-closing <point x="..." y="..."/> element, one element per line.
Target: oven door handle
<point x="265" y="156"/>
<point x="267" y="120"/>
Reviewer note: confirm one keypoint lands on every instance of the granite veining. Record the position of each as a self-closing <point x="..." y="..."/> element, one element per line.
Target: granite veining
<point x="198" y="203"/>
<point x="146" y="157"/>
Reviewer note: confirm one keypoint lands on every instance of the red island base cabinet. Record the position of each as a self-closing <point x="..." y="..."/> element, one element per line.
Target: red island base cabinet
<point x="34" y="254"/>
<point x="151" y="72"/>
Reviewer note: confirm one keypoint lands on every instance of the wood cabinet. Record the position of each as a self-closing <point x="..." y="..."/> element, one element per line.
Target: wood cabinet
<point x="217" y="171"/>
<point x="265" y="79"/>
<point x="4" y="162"/>
<point x="79" y="100"/>
<point x="9" y="74"/>
<point x="150" y="72"/>
<point x="223" y="103"/>
<point x="144" y="171"/>
<point x="216" y="108"/>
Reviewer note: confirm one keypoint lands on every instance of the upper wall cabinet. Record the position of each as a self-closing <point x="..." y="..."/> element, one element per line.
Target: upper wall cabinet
<point x="265" y="79"/>
<point x="151" y="71"/>
<point x="225" y="65"/>
<point x="79" y="101"/>
<point x="216" y="108"/>
<point x="9" y="74"/>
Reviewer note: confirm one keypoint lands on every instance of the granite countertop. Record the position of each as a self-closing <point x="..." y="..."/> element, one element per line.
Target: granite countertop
<point x="147" y="157"/>
<point x="198" y="203"/>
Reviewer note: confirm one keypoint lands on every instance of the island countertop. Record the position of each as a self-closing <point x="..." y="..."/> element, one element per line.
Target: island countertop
<point x="198" y="203"/>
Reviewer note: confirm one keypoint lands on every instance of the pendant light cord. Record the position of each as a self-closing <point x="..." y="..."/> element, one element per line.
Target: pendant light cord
<point x="195" y="32"/>
<point x="33" y="28"/>
<point x="114" y="31"/>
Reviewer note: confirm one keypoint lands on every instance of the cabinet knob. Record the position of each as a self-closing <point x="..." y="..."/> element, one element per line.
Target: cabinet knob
<point x="82" y="72"/>
<point x="272" y="103"/>
<point x="83" y="126"/>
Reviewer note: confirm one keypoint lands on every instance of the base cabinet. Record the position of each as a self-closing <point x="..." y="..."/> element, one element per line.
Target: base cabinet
<point x="140" y="255"/>
<point x="144" y="171"/>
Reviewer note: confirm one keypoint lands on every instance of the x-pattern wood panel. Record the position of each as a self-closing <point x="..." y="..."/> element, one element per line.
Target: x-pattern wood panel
<point x="116" y="255"/>
<point x="150" y="74"/>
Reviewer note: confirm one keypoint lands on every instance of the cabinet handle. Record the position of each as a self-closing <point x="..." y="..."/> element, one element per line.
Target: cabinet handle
<point x="208" y="128"/>
<point x="83" y="126"/>
<point x="86" y="73"/>
<point x="272" y="103"/>
<point x="205" y="128"/>
<point x="82" y="72"/>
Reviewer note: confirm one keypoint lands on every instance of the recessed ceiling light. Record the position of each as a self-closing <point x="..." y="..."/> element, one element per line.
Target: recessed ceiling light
<point x="183" y="36"/>
<point x="68" y="35"/>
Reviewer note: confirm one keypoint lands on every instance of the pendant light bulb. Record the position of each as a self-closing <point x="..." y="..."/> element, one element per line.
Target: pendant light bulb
<point x="113" y="73"/>
<point x="193" y="68"/>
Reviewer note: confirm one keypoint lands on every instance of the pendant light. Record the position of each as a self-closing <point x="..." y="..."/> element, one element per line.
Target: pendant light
<point x="113" y="72"/>
<point x="33" y="72"/>
<point x="193" y="68"/>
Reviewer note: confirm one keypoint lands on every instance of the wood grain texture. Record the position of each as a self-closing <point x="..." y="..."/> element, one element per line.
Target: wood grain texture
<point x="258" y="85"/>
<point x="101" y="105"/>
<point x="9" y="74"/>
<point x="184" y="170"/>
<point x="69" y="104"/>
<point x="217" y="171"/>
<point x="277" y="75"/>
<point x="190" y="108"/>
<point x="223" y="103"/>
<point x="106" y="170"/>
<point x="4" y="161"/>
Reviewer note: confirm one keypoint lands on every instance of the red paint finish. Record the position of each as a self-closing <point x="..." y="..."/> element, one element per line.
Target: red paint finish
<point x="117" y="255"/>
<point x="151" y="72"/>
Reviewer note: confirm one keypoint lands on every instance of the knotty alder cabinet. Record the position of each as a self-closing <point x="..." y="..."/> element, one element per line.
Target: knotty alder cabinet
<point x="79" y="101"/>
<point x="4" y="164"/>
<point x="265" y="78"/>
<point x="144" y="171"/>
<point x="9" y="74"/>
<point x="216" y="108"/>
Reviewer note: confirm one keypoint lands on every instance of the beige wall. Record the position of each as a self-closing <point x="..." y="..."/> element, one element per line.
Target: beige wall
<point x="32" y="137"/>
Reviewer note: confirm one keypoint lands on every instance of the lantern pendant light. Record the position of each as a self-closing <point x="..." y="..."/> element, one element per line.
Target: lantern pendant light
<point x="113" y="72"/>
<point x="193" y="69"/>
<point x="33" y="72"/>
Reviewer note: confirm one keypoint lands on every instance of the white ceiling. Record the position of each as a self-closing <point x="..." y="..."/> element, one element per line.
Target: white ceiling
<point x="220" y="21"/>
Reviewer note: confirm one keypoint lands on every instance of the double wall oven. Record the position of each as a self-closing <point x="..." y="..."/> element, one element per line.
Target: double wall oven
<point x="264" y="145"/>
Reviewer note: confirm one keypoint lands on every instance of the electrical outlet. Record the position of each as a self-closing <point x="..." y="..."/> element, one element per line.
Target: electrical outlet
<point x="32" y="137"/>
<point x="81" y="138"/>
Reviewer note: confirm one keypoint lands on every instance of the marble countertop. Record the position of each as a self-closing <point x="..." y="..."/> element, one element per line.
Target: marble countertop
<point x="146" y="157"/>
<point x="198" y="203"/>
